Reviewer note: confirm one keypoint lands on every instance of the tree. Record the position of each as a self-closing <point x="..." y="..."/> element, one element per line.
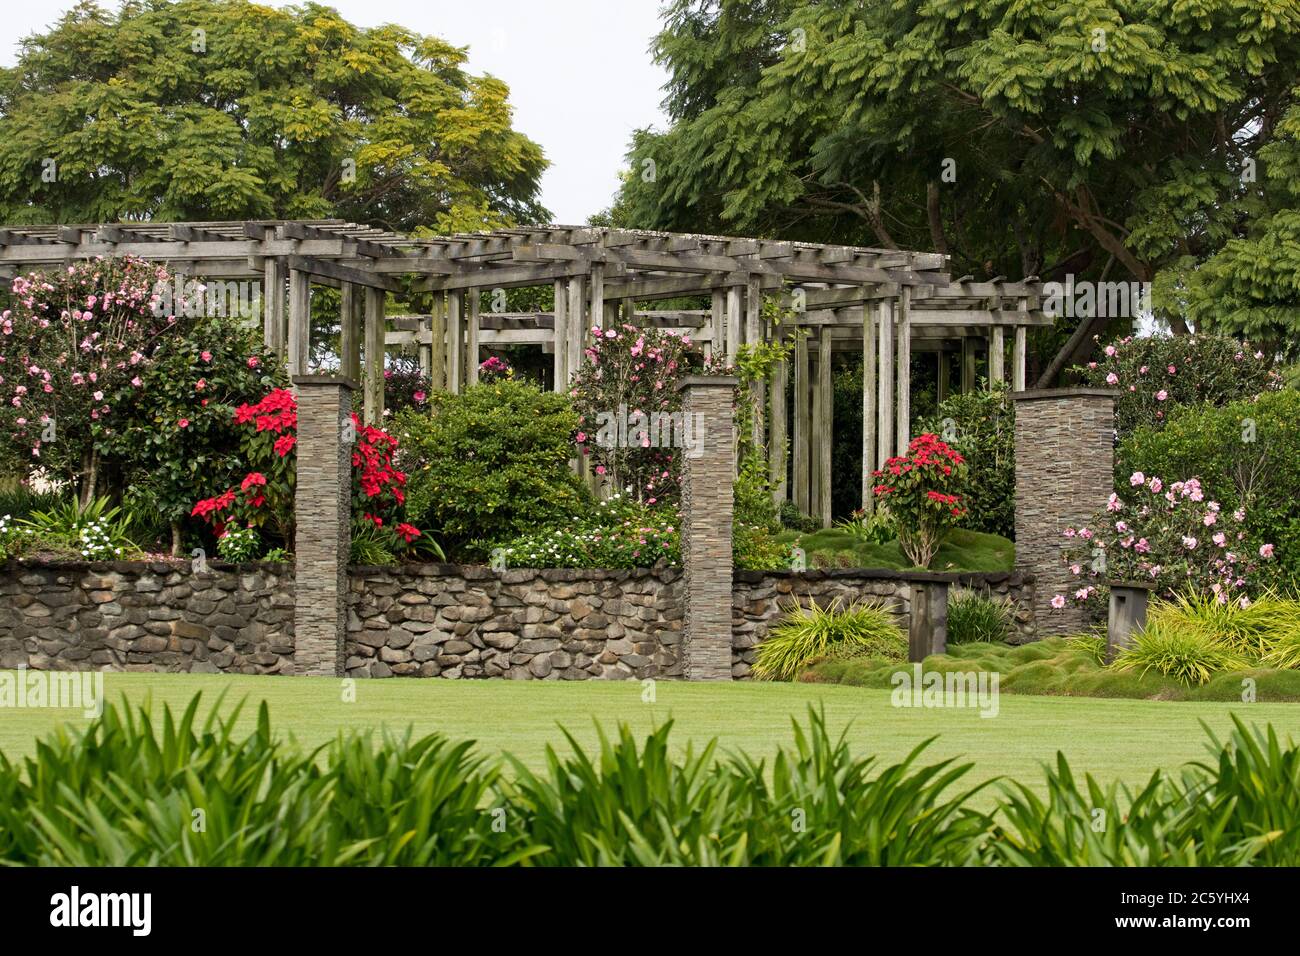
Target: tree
<point x="1093" y="137"/>
<point x="224" y="109"/>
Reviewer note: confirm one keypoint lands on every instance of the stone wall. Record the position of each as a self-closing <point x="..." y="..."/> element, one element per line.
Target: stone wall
<point x="759" y="598"/>
<point x="450" y="621"/>
<point x="419" y="620"/>
<point x="138" y="616"/>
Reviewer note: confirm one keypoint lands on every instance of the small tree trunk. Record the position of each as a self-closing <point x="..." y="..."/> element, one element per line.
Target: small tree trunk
<point x="89" y="475"/>
<point x="176" y="539"/>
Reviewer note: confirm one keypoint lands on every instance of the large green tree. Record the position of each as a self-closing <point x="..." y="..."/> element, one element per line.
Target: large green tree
<point x="1022" y="137"/>
<point x="224" y="109"/>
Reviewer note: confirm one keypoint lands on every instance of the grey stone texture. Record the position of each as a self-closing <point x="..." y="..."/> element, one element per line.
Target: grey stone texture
<point x="1065" y="462"/>
<point x="707" y="506"/>
<point x="426" y="620"/>
<point x="322" y="510"/>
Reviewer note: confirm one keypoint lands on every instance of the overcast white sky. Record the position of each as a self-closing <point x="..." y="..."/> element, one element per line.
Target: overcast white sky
<point x="579" y="73"/>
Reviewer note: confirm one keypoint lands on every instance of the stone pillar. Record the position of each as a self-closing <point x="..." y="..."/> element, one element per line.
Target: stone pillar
<point x="707" y="476"/>
<point x="1065" y="462"/>
<point x="322" y="515"/>
<point x="928" y="622"/>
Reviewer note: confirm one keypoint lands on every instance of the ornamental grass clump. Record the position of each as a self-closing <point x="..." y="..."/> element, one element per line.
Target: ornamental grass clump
<point x="978" y="618"/>
<point x="812" y="632"/>
<point x="1184" y="653"/>
<point x="923" y="492"/>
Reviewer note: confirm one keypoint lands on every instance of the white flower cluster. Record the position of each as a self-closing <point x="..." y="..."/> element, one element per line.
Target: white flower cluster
<point x="95" y="542"/>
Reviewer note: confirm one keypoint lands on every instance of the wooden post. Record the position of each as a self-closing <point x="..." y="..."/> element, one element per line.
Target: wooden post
<point x="928" y="631"/>
<point x="273" y="306"/>
<point x="299" y="343"/>
<point x="868" y="406"/>
<point x="455" y="340"/>
<point x="997" y="356"/>
<point x="1019" y="351"/>
<point x="753" y="336"/>
<point x="969" y="372"/>
<point x="904" y="428"/>
<point x="719" y="316"/>
<point x="438" y="343"/>
<point x="349" y="332"/>
<point x="560" y="358"/>
<point x="733" y="323"/>
<point x="471" y="337"/>
<point x="885" y="387"/>
<point x="802" y="386"/>
<point x="776" y="451"/>
<point x="374" y="374"/>
<point x="597" y="308"/>
<point x="945" y="373"/>
<point x="826" y="428"/>
<point x="578" y="330"/>
<point x="815" y="427"/>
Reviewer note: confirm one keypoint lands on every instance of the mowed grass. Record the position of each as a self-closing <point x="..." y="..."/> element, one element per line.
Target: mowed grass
<point x="1111" y="739"/>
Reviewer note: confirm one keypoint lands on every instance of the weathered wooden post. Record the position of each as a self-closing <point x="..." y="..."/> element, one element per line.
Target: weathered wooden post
<point x="322" y="508"/>
<point x="1128" y="614"/>
<point x="928" y="623"/>
<point x="708" y="473"/>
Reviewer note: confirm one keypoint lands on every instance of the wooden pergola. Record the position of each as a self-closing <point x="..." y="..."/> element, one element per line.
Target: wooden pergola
<point x="887" y="304"/>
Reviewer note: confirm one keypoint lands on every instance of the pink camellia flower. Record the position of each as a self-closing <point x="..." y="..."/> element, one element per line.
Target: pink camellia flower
<point x="1266" y="551"/>
<point x="1068" y="532"/>
<point x="183" y="423"/>
<point x="1259" y="355"/>
<point x="581" y="437"/>
<point x="1113" y="503"/>
<point x="1239" y="514"/>
<point x="1156" y="485"/>
<point x="1173" y="370"/>
<point x="1143" y="370"/>
<point x="200" y="385"/>
<point x="1142" y="546"/>
<point x="1137" y="478"/>
<point x="1161" y="395"/>
<point x="1243" y="602"/>
<point x="253" y="362"/>
<point x="136" y="381"/>
<point x="1220" y="539"/>
<point x="98" y="396"/>
<point x="1110" y="350"/>
<point x="206" y="356"/>
<point x="1210" y="519"/>
<point x="1121" y="526"/>
<point x="1190" y="543"/>
<point x="1112" y="378"/>
<point x="419" y="396"/>
<point x="1076" y="569"/>
<point x="600" y="469"/>
<point x="1082" y="593"/>
<point x="1058" y="602"/>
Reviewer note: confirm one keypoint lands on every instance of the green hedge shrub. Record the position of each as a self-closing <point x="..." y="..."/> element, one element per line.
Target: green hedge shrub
<point x="1246" y="453"/>
<point x="489" y="465"/>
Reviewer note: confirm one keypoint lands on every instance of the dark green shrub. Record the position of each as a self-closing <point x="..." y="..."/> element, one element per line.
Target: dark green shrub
<point x="795" y="520"/>
<point x="982" y="426"/>
<point x="489" y="465"/>
<point x="1246" y="454"/>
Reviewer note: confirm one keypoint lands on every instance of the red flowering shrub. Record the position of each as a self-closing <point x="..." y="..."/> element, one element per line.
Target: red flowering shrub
<point x="922" y="489"/>
<point x="264" y="498"/>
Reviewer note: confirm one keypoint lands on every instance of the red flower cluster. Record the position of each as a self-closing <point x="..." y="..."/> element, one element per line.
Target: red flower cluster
<point x="277" y="412"/>
<point x="921" y="488"/>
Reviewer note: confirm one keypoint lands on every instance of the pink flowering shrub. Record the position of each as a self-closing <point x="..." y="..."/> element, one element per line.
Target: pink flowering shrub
<point x="1157" y="373"/>
<point x="922" y="490"/>
<point x="631" y="373"/>
<point x="1169" y="535"/>
<point x="493" y="368"/>
<point x="73" y="343"/>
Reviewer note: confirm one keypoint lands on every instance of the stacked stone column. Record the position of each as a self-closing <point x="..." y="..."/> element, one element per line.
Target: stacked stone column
<point x="1065" y="464"/>
<point x="707" y="507"/>
<point x="322" y="519"/>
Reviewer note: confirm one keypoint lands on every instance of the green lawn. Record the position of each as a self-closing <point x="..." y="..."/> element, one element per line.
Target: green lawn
<point x="1123" y="739"/>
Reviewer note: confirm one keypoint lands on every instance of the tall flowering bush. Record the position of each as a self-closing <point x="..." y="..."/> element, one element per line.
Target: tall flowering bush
<point x="175" y="436"/>
<point x="631" y="373"/>
<point x="263" y="497"/>
<point x="923" y="492"/>
<point x="1158" y="373"/>
<point x="1172" y="536"/>
<point x="73" y="343"/>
